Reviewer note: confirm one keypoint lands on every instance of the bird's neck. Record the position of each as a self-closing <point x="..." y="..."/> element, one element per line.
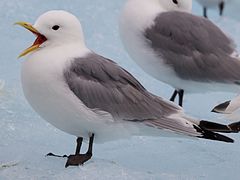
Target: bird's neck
<point x="69" y="41"/>
<point x="58" y="52"/>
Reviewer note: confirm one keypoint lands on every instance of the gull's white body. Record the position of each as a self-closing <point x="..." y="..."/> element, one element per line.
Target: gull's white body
<point x="44" y="87"/>
<point x="133" y="22"/>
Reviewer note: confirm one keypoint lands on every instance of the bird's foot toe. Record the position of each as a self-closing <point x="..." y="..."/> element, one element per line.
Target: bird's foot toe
<point x="54" y="155"/>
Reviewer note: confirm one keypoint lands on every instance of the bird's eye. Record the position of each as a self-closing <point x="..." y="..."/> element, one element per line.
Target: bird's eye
<point x="55" y="27"/>
<point x="175" y="1"/>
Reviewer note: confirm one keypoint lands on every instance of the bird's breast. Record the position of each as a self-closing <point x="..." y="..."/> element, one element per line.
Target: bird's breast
<point x="46" y="91"/>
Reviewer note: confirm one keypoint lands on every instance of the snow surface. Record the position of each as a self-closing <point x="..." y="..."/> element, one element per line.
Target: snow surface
<point x="25" y="138"/>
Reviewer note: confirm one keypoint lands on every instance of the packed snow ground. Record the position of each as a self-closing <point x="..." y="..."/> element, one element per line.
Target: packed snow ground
<point x="25" y="138"/>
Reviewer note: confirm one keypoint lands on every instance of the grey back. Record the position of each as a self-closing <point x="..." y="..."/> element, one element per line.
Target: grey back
<point x="194" y="47"/>
<point x="101" y="84"/>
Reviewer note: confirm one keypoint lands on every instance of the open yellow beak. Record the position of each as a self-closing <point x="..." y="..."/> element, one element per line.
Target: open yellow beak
<point x="40" y="38"/>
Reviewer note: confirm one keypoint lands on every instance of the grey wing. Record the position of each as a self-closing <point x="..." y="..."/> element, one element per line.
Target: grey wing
<point x="102" y="85"/>
<point x="195" y="48"/>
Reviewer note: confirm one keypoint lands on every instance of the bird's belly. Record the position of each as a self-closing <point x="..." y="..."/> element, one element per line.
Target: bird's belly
<point x="51" y="98"/>
<point x="53" y="101"/>
<point x="53" y="106"/>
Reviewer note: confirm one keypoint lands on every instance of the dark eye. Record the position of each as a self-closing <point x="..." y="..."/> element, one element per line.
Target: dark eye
<point x="55" y="27"/>
<point x="175" y="1"/>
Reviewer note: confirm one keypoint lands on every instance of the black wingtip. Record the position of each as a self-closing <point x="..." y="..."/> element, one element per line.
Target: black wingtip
<point x="221" y="107"/>
<point x="213" y="136"/>
<point x="221" y="128"/>
<point x="216" y="137"/>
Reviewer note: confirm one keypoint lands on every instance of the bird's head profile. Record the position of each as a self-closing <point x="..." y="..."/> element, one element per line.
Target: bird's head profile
<point x="54" y="28"/>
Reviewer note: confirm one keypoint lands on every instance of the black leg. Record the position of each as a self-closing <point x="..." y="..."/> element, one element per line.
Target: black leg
<point x="79" y="144"/>
<point x="221" y="7"/>
<point x="205" y="12"/>
<point x="79" y="159"/>
<point x="90" y="145"/>
<point x="174" y="96"/>
<point x="180" y="94"/>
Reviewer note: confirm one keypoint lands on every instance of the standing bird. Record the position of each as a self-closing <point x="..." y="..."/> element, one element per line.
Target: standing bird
<point x="188" y="52"/>
<point x="210" y="4"/>
<point x="89" y="96"/>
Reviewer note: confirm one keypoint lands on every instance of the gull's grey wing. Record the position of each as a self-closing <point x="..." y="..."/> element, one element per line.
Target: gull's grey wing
<point x="102" y="85"/>
<point x="195" y="48"/>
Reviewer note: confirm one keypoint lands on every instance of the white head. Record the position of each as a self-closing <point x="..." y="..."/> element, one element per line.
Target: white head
<point x="59" y="26"/>
<point x="54" y="28"/>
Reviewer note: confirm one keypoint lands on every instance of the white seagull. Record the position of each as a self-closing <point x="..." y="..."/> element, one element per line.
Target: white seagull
<point x="188" y="52"/>
<point x="212" y="4"/>
<point x="89" y="96"/>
